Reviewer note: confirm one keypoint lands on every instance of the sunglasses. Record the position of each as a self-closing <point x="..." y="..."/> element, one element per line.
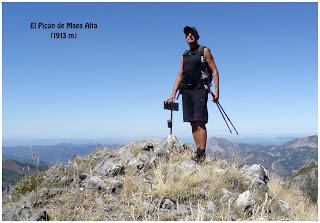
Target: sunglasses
<point x="192" y="33"/>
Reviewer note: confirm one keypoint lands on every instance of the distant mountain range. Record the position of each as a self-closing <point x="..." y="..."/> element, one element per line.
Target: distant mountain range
<point x="311" y="141"/>
<point x="283" y="160"/>
<point x="274" y="141"/>
<point x="50" y="153"/>
<point x="13" y="171"/>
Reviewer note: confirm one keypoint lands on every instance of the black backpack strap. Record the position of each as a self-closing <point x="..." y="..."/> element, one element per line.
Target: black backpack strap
<point x="201" y="49"/>
<point x="205" y="68"/>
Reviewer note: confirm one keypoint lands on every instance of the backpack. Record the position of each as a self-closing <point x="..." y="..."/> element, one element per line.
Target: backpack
<point x="206" y="73"/>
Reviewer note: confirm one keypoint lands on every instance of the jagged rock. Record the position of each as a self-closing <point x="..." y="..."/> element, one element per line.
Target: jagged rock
<point x="109" y="167"/>
<point x="168" y="146"/>
<point x="232" y="216"/>
<point x="148" y="146"/>
<point x="66" y="181"/>
<point x="93" y="182"/>
<point x="156" y="202"/>
<point x="125" y="154"/>
<point x="183" y="169"/>
<point x="153" y="160"/>
<point x="15" y="212"/>
<point x="248" y="210"/>
<point x="9" y="214"/>
<point x="259" y="185"/>
<point x="117" y="169"/>
<point x="59" y="179"/>
<point x="28" y="200"/>
<point x="233" y="183"/>
<point x="284" y="206"/>
<point x="255" y="171"/>
<point x="189" y="166"/>
<point x="167" y="214"/>
<point x="51" y="192"/>
<point x="60" y="174"/>
<point x="140" y="161"/>
<point x="99" y="201"/>
<point x="167" y="203"/>
<point x="227" y="196"/>
<point x="161" y="152"/>
<point x="211" y="208"/>
<point x="25" y="212"/>
<point x="148" y="178"/>
<point x="204" y="190"/>
<point x="171" y="142"/>
<point x="245" y="199"/>
<point x="41" y="215"/>
<point x="183" y="210"/>
<point x="148" y="206"/>
<point x="83" y="176"/>
<point x="113" y="186"/>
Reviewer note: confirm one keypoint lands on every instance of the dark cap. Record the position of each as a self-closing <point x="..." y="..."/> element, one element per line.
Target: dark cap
<point x="191" y="28"/>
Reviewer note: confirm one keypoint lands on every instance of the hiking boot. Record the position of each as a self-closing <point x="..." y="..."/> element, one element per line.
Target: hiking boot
<point x="199" y="158"/>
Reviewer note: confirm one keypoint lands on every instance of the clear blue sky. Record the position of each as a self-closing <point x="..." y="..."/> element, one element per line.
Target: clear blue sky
<point x="112" y="81"/>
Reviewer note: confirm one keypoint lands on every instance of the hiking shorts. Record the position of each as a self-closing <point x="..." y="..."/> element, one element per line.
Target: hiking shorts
<point x="194" y="103"/>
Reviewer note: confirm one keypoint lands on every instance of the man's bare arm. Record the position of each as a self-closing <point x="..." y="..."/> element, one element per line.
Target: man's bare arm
<point x="177" y="82"/>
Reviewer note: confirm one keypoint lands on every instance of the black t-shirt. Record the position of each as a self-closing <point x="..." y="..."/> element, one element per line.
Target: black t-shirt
<point x="192" y="66"/>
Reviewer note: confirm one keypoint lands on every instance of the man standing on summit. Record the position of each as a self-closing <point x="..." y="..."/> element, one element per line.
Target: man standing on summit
<point x="191" y="82"/>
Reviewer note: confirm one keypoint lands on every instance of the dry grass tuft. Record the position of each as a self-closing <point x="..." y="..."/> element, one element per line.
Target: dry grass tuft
<point x="301" y="208"/>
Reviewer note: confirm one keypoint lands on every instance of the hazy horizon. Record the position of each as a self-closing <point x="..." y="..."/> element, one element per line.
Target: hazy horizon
<point x="250" y="139"/>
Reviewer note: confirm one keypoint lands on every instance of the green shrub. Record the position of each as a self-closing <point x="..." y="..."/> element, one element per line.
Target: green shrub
<point x="28" y="184"/>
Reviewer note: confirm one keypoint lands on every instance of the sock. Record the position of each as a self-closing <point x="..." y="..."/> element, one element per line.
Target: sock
<point x="201" y="152"/>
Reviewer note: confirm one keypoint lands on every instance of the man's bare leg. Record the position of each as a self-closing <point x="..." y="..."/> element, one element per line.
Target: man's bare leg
<point x="199" y="133"/>
<point x="195" y="133"/>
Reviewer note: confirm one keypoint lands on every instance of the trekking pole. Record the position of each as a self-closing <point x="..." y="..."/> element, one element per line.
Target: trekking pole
<point x="220" y="107"/>
<point x="227" y="117"/>
<point x="223" y="117"/>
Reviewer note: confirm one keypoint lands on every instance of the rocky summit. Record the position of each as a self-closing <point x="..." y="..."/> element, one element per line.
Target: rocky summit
<point x="149" y="180"/>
